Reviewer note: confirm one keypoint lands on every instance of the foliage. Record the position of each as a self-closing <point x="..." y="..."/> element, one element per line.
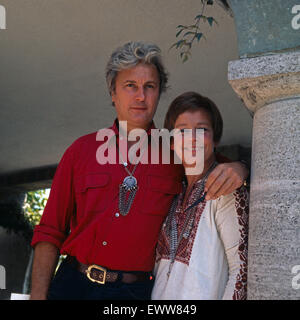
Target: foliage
<point x="22" y="220"/>
<point x="188" y="34"/>
<point x="34" y="206"/>
<point x="33" y="209"/>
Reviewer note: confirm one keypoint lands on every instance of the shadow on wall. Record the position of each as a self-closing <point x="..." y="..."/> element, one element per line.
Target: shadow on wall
<point x="14" y="257"/>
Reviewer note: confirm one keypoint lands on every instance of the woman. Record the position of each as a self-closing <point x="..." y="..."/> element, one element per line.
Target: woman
<point x="202" y="248"/>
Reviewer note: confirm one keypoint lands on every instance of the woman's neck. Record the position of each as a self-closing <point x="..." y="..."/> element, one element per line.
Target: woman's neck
<point x="191" y="179"/>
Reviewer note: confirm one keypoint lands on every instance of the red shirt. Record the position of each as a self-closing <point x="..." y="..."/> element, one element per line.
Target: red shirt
<point x="82" y="214"/>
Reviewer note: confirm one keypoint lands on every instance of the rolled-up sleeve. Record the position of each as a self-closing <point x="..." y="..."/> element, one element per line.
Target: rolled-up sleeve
<point x="55" y="222"/>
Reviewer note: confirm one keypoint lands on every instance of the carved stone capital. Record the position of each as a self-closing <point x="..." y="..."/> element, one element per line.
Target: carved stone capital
<point x="265" y="79"/>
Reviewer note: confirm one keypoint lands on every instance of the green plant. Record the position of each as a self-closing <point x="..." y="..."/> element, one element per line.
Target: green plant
<point x="188" y="34"/>
<point x="34" y="205"/>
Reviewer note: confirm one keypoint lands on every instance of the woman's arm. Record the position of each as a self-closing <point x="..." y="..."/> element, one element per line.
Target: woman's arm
<point x="232" y="223"/>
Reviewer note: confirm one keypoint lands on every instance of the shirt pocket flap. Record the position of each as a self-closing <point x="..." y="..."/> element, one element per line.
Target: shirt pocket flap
<point x="97" y="180"/>
<point x="164" y="184"/>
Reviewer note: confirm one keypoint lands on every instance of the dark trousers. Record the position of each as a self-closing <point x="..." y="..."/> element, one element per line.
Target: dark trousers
<point x="71" y="284"/>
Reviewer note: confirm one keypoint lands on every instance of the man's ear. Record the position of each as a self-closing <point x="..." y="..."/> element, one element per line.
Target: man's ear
<point x="112" y="94"/>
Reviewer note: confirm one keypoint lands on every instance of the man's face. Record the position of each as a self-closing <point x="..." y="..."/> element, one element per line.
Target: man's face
<point x="136" y="95"/>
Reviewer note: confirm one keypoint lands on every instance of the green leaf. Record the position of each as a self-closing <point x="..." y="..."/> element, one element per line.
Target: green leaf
<point x="199" y="36"/>
<point x="174" y="45"/>
<point x="178" y="33"/>
<point x="185" y="58"/>
<point x="210" y="20"/>
<point x="193" y="26"/>
<point x="177" y="44"/>
<point x="184" y="55"/>
<point x="188" y="33"/>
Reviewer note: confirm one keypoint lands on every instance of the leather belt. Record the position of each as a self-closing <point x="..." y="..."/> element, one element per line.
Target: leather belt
<point x="102" y="275"/>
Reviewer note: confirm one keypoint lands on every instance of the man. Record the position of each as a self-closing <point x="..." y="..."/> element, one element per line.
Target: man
<point x="106" y="218"/>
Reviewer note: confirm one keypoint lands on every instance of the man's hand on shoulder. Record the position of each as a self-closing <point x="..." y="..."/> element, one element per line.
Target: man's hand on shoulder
<point x="225" y="178"/>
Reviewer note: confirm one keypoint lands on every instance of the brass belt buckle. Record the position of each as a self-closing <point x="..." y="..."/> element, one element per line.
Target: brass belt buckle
<point x="94" y="266"/>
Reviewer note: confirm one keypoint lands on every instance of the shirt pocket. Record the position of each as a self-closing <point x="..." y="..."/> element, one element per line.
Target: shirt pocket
<point x="158" y="195"/>
<point x="92" y="192"/>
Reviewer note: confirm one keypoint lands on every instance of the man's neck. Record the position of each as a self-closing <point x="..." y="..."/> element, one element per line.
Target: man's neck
<point x="124" y="125"/>
<point x="125" y="130"/>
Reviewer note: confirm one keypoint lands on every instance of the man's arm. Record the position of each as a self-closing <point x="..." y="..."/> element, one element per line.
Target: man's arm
<point x="53" y="228"/>
<point x="225" y="178"/>
<point x="45" y="260"/>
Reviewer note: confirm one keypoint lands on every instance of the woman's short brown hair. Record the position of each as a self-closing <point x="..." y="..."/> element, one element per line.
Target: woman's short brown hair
<point x="192" y="101"/>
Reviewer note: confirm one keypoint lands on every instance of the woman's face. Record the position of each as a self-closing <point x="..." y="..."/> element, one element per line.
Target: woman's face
<point x="193" y="144"/>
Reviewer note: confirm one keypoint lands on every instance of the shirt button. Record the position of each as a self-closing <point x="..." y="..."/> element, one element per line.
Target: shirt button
<point x="117" y="214"/>
<point x="104" y="243"/>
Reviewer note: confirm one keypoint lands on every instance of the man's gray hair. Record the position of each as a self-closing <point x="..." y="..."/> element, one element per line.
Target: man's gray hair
<point x="128" y="56"/>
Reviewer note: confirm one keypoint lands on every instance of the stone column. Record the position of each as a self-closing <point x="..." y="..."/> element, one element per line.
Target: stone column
<point x="270" y="88"/>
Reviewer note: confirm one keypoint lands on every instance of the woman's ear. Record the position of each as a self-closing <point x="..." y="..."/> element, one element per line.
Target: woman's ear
<point x="215" y="146"/>
<point x="172" y="145"/>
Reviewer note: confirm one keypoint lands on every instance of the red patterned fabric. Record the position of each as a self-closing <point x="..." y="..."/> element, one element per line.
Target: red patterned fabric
<point x="185" y="246"/>
<point x="242" y="209"/>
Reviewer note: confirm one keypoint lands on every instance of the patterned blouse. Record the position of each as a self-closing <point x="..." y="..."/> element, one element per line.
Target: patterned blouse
<point x="211" y="262"/>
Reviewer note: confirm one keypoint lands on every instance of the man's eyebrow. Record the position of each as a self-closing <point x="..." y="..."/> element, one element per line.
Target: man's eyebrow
<point x="133" y="81"/>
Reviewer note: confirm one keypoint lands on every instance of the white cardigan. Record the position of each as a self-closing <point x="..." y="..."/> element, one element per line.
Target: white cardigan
<point x="212" y="262"/>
